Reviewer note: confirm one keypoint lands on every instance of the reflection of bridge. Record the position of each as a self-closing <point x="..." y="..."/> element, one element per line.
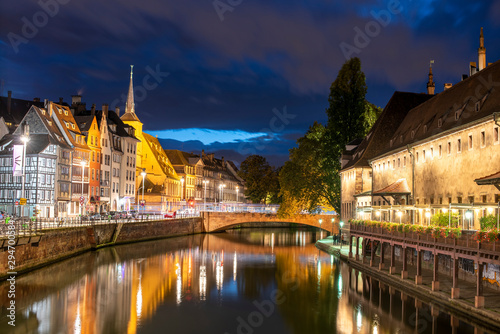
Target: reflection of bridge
<point x="219" y="221"/>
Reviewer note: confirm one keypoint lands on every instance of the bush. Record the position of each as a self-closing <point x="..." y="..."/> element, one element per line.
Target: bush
<point x="488" y="222"/>
<point x="442" y="219"/>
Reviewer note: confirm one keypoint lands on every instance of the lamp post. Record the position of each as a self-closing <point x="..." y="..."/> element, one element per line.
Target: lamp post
<point x="341" y="224"/>
<point x="332" y="220"/>
<point x="143" y="174"/>
<point x="182" y="188"/>
<point x="205" y="195"/>
<point x="82" y="198"/>
<point x="237" y="197"/>
<point x="221" y="193"/>
<point x="399" y="213"/>
<point x="25" y="139"/>
<point x="377" y="213"/>
<point x="428" y="215"/>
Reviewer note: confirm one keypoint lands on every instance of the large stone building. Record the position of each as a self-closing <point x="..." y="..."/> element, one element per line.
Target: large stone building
<point x="444" y="154"/>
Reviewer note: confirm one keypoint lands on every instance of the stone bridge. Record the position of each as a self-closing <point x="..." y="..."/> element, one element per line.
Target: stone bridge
<point x="219" y="221"/>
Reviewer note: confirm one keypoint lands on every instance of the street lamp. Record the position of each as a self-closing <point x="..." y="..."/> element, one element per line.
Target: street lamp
<point x="143" y="174"/>
<point x="82" y="198"/>
<point x="221" y="192"/>
<point x="377" y="213"/>
<point x="25" y="139"/>
<point x="341" y="224"/>
<point x="399" y="213"/>
<point x="205" y="182"/>
<point x="468" y="215"/>
<point x="428" y="215"/>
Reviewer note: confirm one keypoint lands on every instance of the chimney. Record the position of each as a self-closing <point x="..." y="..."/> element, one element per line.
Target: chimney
<point x="472" y="68"/>
<point x="36" y="99"/>
<point x="430" y="84"/>
<point x="60" y="100"/>
<point x="9" y="101"/>
<point x="447" y="85"/>
<point x="76" y="99"/>
<point x="105" y="110"/>
<point x="464" y="76"/>
<point x="92" y="110"/>
<point x="117" y="111"/>
<point x="481" y="52"/>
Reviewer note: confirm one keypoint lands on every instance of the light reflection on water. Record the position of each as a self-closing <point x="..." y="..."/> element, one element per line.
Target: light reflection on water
<point x="243" y="281"/>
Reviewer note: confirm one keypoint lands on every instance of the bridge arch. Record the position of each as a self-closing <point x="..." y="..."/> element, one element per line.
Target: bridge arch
<point x="220" y="221"/>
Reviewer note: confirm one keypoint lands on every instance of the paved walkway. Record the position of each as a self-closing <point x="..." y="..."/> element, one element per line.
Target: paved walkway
<point x="467" y="289"/>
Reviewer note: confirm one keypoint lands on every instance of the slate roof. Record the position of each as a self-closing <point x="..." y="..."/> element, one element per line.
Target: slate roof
<point x="391" y="117"/>
<point x="18" y="107"/>
<point x="450" y="110"/>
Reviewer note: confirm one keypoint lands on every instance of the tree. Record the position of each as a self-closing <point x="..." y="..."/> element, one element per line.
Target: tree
<point x="304" y="180"/>
<point x="311" y="177"/>
<point x="261" y="180"/>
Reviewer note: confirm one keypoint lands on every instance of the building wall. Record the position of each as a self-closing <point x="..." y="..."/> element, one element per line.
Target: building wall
<point x="444" y="173"/>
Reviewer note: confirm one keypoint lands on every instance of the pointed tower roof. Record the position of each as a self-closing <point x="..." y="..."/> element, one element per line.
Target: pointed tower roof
<point x="130" y="106"/>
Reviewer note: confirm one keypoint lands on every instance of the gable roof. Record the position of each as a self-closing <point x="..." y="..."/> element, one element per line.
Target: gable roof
<point x="160" y="156"/>
<point x="391" y="117"/>
<point x="465" y="103"/>
<point x="18" y="109"/>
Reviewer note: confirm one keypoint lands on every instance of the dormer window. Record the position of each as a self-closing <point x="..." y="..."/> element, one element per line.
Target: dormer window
<point x="477" y="107"/>
<point x="425" y="128"/>
<point x="65" y="112"/>
<point x="458" y="113"/>
<point x="73" y="126"/>
<point x="440" y="122"/>
<point x="412" y="134"/>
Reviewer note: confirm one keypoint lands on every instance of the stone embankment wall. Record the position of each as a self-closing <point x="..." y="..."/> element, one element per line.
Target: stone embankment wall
<point x="57" y="244"/>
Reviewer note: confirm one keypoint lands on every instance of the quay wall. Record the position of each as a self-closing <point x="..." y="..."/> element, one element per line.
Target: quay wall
<point x="31" y="252"/>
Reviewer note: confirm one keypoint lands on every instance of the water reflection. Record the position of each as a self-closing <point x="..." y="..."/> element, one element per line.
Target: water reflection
<point x="270" y="281"/>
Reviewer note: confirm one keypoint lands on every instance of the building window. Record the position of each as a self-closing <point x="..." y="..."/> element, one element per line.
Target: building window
<point x="423" y="155"/>
<point x="495" y="135"/>
<point x="393" y="163"/>
<point x="399" y="162"/>
<point x="471" y="199"/>
<point x="449" y="148"/>
<point x="484" y="198"/>
<point x="417" y="157"/>
<point x="440" y="151"/>
<point x="483" y="138"/>
<point x="459" y="145"/>
<point x="432" y="153"/>
<point x="470" y="142"/>
<point x="459" y="199"/>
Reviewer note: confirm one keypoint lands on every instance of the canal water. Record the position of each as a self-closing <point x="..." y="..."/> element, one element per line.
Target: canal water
<point x="241" y="281"/>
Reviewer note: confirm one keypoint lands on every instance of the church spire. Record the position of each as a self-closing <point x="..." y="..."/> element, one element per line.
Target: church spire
<point x="430" y="84"/>
<point x="130" y="106"/>
<point x="481" y="52"/>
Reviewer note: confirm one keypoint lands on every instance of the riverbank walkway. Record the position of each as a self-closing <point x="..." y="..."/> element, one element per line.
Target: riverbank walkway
<point x="466" y="302"/>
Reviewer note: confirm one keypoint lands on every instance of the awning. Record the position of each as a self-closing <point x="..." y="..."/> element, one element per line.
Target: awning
<point x="400" y="187"/>
<point x="493" y="179"/>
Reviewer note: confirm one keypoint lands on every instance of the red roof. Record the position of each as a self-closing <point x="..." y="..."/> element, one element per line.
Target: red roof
<point x="398" y="187"/>
<point x="490" y="179"/>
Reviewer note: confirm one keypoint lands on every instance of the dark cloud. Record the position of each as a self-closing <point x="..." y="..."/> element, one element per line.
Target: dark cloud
<point x="231" y="74"/>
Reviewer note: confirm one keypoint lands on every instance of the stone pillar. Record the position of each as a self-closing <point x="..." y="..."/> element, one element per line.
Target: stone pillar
<point x="381" y="264"/>
<point x="435" y="278"/>
<point x="479" y="300"/>
<point x="418" y="278"/>
<point x="372" y="254"/>
<point x="392" y="268"/>
<point x="350" y="246"/>
<point x="404" y="273"/>
<point x="455" y="290"/>
<point x="357" y="248"/>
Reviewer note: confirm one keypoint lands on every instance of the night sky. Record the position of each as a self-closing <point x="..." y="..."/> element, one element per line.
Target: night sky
<point x="235" y="77"/>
